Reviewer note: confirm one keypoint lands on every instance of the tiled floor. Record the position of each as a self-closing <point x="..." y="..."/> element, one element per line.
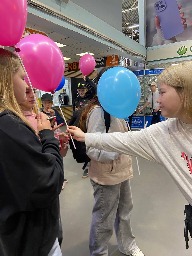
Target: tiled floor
<point x="157" y="218"/>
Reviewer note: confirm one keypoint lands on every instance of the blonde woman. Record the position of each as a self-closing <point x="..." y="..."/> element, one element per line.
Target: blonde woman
<point x="31" y="171"/>
<point x="169" y="142"/>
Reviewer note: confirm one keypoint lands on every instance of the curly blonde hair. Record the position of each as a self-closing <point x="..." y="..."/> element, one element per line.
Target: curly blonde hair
<point x="9" y="65"/>
<point x="179" y="77"/>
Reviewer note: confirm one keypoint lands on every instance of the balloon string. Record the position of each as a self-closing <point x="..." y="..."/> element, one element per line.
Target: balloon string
<point x="30" y="84"/>
<point x="138" y="166"/>
<point x="146" y="124"/>
<point x="136" y="156"/>
<point x="66" y="125"/>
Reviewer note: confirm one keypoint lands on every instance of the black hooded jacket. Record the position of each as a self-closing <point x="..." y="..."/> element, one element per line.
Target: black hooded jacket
<point x="80" y="102"/>
<point x="31" y="177"/>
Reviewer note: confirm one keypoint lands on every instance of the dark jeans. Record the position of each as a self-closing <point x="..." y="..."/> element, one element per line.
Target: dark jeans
<point x="60" y="233"/>
<point x="156" y="117"/>
<point x="188" y="224"/>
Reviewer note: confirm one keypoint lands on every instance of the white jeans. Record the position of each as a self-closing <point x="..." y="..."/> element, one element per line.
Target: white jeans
<point x="56" y="250"/>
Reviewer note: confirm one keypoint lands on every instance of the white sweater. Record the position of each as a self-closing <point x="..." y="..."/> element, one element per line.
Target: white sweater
<point x="168" y="143"/>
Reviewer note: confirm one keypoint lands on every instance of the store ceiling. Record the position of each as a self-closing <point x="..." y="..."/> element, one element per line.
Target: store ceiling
<point x="77" y="43"/>
<point x="130" y="17"/>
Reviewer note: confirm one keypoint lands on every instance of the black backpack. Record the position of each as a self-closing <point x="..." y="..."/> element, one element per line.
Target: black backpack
<point x="79" y="154"/>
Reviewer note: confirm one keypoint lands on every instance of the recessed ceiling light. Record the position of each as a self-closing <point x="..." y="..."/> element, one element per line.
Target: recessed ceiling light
<point x="65" y="58"/>
<point x="60" y="45"/>
<point x="83" y="53"/>
<point x="130" y="9"/>
<point x="134" y="26"/>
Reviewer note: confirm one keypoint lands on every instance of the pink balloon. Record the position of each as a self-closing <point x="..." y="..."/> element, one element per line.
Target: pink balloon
<point x="43" y="61"/>
<point x="87" y="64"/>
<point x="13" y="16"/>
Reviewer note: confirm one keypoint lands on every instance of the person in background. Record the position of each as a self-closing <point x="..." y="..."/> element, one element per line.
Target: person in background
<point x="31" y="175"/>
<point x="47" y="103"/>
<point x="152" y="101"/>
<point x="110" y="174"/>
<point x="64" y="98"/>
<point x="56" y="122"/>
<point x="82" y="98"/>
<point x="169" y="142"/>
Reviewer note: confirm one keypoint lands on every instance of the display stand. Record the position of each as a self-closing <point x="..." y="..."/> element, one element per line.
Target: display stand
<point x="139" y="122"/>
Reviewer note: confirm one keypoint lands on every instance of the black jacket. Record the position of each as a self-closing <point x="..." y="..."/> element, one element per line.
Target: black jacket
<point x="31" y="177"/>
<point x="80" y="102"/>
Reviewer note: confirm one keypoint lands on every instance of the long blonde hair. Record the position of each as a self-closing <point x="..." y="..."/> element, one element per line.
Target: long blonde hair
<point x="9" y="65"/>
<point x="180" y="78"/>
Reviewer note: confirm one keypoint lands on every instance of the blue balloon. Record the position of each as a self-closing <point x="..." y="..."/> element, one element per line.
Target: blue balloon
<point x="119" y="92"/>
<point x="60" y="86"/>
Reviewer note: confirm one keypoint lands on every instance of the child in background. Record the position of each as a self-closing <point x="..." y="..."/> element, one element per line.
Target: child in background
<point x="85" y="91"/>
<point x="47" y="102"/>
<point x="56" y="122"/>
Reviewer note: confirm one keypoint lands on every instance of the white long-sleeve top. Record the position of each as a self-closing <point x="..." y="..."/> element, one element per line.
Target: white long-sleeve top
<point x="168" y="143"/>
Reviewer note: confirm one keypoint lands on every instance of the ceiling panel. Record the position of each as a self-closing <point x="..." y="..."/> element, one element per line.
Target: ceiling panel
<point x="75" y="42"/>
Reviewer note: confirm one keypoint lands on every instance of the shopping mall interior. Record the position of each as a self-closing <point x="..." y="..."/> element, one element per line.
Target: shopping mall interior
<point x="126" y="34"/>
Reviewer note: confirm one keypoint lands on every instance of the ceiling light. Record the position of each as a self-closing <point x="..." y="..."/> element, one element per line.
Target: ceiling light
<point x="65" y="58"/>
<point x="134" y="8"/>
<point x="83" y="53"/>
<point x="60" y="45"/>
<point x="134" y="26"/>
<point x="130" y="9"/>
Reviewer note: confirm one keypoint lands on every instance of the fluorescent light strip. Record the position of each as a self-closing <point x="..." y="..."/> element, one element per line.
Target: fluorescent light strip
<point x="83" y="53"/>
<point x="134" y="26"/>
<point x="130" y="9"/>
<point x="60" y="45"/>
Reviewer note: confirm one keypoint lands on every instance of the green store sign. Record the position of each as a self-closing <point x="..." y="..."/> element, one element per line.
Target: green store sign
<point x="183" y="50"/>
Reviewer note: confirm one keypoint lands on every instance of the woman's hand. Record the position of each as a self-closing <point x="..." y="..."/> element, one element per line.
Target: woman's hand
<point x="76" y="133"/>
<point x="43" y="122"/>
